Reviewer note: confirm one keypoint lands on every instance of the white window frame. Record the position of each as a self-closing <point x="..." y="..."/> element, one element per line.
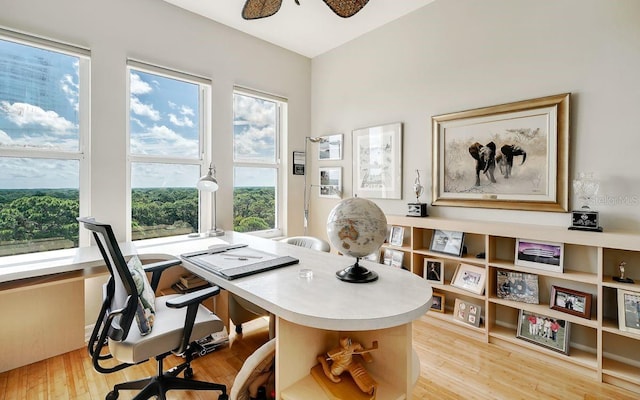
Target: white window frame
<point x="281" y="132"/>
<point x="204" y="153"/>
<point x="82" y="155"/>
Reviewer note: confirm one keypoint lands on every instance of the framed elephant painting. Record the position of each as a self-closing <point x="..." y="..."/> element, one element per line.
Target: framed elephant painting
<point x="509" y="156"/>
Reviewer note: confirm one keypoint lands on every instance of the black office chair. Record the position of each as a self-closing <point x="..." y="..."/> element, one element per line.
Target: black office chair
<point x="179" y="320"/>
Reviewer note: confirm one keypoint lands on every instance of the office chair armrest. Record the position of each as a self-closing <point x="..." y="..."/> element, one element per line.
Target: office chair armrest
<point x="194" y="297"/>
<point x="157" y="268"/>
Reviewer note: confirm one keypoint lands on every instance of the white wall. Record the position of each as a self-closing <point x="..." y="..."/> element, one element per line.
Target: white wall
<point x="455" y="55"/>
<point x="157" y="32"/>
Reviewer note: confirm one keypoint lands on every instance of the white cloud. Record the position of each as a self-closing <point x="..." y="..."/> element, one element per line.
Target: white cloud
<point x="255" y="143"/>
<point x="137" y="121"/>
<point x="161" y="140"/>
<point x="23" y="114"/>
<point x="184" y="121"/>
<point x="138" y="86"/>
<point x="70" y="87"/>
<point x="145" y="110"/>
<point x="5" y="139"/>
<point x="184" y="110"/>
<point x="257" y="112"/>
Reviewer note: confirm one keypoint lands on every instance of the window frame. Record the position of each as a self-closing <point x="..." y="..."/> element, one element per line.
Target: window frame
<point x="281" y="130"/>
<point x="83" y="153"/>
<point x="204" y="137"/>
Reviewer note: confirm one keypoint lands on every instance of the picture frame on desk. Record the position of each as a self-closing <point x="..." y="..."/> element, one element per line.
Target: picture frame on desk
<point x="517" y="286"/>
<point x="545" y="331"/>
<point x="447" y="242"/>
<point x="571" y="301"/>
<point x="433" y="270"/>
<point x="467" y="312"/>
<point x="547" y="256"/>
<point x="629" y="311"/>
<point x="470" y="278"/>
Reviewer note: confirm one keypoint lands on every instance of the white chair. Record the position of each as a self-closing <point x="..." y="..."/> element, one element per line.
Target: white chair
<point x="309" y="242"/>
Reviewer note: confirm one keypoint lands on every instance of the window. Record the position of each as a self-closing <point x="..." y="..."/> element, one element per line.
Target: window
<point x="44" y="130"/>
<point x="257" y="129"/>
<point x="167" y="125"/>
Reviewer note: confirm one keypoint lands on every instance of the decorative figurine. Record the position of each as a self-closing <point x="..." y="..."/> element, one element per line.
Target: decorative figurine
<point x="622" y="278"/>
<point x="585" y="219"/>
<point x="340" y="360"/>
<point x="417" y="209"/>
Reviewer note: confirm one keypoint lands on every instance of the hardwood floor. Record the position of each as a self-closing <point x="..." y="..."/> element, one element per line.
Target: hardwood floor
<point x="452" y="367"/>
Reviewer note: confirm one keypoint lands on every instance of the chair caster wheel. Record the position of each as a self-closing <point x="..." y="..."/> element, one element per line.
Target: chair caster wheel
<point x="113" y="395"/>
<point x="223" y="397"/>
<point x="188" y="373"/>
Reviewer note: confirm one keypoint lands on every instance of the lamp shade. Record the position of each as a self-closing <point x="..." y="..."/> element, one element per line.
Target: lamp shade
<point x="208" y="183"/>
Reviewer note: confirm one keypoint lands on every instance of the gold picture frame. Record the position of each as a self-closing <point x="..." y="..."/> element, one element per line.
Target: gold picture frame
<point x="509" y="156"/>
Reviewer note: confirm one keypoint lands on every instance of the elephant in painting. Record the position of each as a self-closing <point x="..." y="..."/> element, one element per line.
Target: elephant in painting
<point x="485" y="157"/>
<point x="504" y="159"/>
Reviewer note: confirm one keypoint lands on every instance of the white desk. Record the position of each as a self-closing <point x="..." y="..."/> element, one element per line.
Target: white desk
<point x="313" y="313"/>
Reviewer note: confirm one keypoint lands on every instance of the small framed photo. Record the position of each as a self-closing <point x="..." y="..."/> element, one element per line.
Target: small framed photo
<point x="466" y="312"/>
<point x="331" y="182"/>
<point x="629" y="311"/>
<point x="470" y="278"/>
<point x="437" y="302"/>
<point x="433" y="270"/>
<point x="396" y="237"/>
<point x="330" y="148"/>
<point x="387" y="256"/>
<point x="447" y="242"/>
<point x="397" y="258"/>
<point x="544" y="331"/>
<point x="540" y="255"/>
<point x="375" y="257"/>
<point x="518" y="286"/>
<point x="571" y="301"/>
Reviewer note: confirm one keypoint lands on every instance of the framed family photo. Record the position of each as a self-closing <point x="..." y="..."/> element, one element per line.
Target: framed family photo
<point x="330" y="148"/>
<point x="447" y="242"/>
<point x="536" y="254"/>
<point x="517" y="286"/>
<point x="377" y="162"/>
<point x="466" y="312"/>
<point x="433" y="270"/>
<point x="509" y="156"/>
<point x="330" y="182"/>
<point x="544" y="331"/>
<point x="437" y="302"/>
<point x="470" y="278"/>
<point x="629" y="311"/>
<point x="571" y="301"/>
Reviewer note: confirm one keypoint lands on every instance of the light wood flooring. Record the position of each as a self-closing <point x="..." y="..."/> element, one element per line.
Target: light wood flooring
<point x="452" y="367"/>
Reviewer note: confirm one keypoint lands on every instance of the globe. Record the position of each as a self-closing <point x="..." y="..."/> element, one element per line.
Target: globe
<point x="356" y="227"/>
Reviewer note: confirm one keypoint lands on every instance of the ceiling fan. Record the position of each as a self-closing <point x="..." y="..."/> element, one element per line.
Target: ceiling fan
<point x="255" y="9"/>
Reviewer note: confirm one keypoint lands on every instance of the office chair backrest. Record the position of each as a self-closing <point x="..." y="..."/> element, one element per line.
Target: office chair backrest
<point x="309" y="242"/>
<point x="121" y="289"/>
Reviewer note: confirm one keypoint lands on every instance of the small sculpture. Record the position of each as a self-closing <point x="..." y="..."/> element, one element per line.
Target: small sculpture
<point x="417" y="187"/>
<point x="340" y="359"/>
<point x="417" y="209"/>
<point x="622" y="278"/>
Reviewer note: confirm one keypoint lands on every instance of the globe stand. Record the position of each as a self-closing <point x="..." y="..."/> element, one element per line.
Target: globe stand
<point x="356" y="274"/>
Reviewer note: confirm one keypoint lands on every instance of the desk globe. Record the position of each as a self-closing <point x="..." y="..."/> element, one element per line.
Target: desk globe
<point x="356" y="227"/>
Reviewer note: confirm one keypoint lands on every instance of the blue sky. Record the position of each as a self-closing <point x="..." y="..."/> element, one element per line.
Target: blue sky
<point x="39" y="109"/>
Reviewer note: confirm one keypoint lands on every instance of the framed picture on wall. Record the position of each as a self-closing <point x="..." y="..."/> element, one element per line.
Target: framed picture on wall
<point x="330" y="148"/>
<point x="377" y="162"/>
<point x="330" y="182"/>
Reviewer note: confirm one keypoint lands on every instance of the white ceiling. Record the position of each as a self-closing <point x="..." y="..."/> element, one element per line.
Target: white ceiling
<point x="309" y="29"/>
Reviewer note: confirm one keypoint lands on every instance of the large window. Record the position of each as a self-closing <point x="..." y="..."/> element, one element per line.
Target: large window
<point x="44" y="108"/>
<point x="168" y="119"/>
<point x="257" y="129"/>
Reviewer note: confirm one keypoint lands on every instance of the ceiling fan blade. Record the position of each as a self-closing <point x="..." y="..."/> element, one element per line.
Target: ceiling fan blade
<point x="346" y="8"/>
<point x="255" y="9"/>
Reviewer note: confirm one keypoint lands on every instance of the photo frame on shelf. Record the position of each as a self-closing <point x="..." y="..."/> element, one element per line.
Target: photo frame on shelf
<point x="517" y="286"/>
<point x="544" y="331"/>
<point x="377" y="162"/>
<point x="397" y="258"/>
<point x="571" y="301"/>
<point x="330" y="147"/>
<point x="396" y="236"/>
<point x="447" y="242"/>
<point x="629" y="311"/>
<point x="470" y="278"/>
<point x="330" y="182"/>
<point x="438" y="302"/>
<point x="479" y="156"/>
<point x="375" y="257"/>
<point x="537" y="254"/>
<point x="467" y="312"/>
<point x="433" y="270"/>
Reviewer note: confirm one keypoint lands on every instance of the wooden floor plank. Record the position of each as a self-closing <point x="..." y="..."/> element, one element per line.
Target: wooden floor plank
<point x="453" y="367"/>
